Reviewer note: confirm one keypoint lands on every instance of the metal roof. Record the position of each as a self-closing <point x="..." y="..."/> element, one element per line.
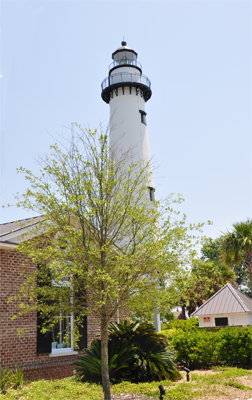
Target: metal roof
<point x="226" y="301"/>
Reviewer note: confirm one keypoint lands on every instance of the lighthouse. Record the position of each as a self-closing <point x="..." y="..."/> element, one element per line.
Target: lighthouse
<point x="126" y="90"/>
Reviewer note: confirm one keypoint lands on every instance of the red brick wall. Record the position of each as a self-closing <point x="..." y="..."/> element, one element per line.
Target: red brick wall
<point x="14" y="351"/>
<point x="21" y="351"/>
<point x="53" y="370"/>
<point x="93" y="327"/>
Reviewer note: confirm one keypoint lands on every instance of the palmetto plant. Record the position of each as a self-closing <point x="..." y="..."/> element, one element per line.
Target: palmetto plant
<point x="136" y="353"/>
<point x="120" y="355"/>
<point x="237" y="244"/>
<point x="152" y="360"/>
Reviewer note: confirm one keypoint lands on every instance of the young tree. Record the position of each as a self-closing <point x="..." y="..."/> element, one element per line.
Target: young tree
<point x="101" y="241"/>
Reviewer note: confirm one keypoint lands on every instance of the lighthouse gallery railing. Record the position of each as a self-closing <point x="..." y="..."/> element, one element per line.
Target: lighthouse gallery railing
<point x="125" y="62"/>
<point x="125" y="77"/>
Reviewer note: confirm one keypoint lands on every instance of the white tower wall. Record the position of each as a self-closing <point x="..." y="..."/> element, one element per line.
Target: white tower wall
<point x="126" y="127"/>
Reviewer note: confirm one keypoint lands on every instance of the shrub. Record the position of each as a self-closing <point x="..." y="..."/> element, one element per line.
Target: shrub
<point x="5" y="380"/>
<point x="202" y="349"/>
<point x="198" y="349"/>
<point x="172" y="328"/>
<point x="10" y="379"/>
<point x="136" y="353"/>
<point x="183" y="324"/>
<point x="236" y="346"/>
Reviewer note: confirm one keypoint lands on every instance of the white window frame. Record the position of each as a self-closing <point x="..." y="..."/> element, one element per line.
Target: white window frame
<point x="64" y="351"/>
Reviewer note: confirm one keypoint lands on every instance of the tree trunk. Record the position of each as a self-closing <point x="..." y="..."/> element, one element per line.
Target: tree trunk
<point x="104" y="358"/>
<point x="183" y="311"/>
<point x="250" y="276"/>
<point x="190" y="308"/>
<point x="248" y="265"/>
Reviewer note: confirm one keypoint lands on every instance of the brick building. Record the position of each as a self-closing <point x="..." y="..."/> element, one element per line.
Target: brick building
<point x="39" y="355"/>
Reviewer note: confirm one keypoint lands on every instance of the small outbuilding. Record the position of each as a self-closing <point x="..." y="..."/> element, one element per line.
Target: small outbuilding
<point x="228" y="306"/>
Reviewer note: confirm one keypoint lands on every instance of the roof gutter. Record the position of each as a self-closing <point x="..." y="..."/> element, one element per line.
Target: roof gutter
<point x="7" y="245"/>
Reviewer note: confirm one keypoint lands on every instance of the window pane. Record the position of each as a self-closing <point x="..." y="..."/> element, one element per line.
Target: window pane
<point x="61" y="333"/>
<point x="66" y="330"/>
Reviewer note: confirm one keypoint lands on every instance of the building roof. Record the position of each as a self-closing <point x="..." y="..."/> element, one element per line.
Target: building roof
<point x="226" y="301"/>
<point x="10" y="231"/>
<point x="17" y="225"/>
<point x="178" y="314"/>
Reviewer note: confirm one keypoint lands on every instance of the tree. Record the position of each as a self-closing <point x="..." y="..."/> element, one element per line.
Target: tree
<point x="196" y="281"/>
<point x="212" y="251"/>
<point x="237" y="246"/>
<point x="207" y="277"/>
<point x="101" y="241"/>
<point x="192" y="287"/>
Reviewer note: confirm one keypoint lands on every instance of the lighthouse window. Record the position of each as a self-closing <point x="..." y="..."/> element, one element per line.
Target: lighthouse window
<point x="143" y="117"/>
<point x="124" y="60"/>
<point x="152" y="193"/>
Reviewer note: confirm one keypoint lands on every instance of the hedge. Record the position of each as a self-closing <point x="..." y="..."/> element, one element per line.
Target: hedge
<point x="200" y="348"/>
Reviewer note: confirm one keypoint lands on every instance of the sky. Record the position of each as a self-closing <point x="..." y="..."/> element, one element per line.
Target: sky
<point x="198" y="56"/>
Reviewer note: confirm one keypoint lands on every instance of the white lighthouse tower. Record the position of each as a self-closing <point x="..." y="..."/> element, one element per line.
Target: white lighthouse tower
<point x="126" y="90"/>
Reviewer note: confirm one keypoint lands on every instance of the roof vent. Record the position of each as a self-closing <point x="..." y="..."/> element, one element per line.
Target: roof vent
<point x="124" y="43"/>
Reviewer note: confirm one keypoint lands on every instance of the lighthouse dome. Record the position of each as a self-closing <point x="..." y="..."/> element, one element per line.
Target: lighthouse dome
<point x="124" y="54"/>
<point x="123" y="47"/>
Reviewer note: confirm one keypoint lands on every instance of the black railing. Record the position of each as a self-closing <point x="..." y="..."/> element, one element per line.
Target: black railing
<point x="125" y="77"/>
<point x="125" y="62"/>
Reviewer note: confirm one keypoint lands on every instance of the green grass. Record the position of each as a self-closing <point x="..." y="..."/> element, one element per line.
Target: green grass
<point x="237" y="385"/>
<point x="199" y="387"/>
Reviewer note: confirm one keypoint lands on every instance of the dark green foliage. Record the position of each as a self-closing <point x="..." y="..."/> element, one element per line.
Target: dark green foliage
<point x="211" y="250"/>
<point x="236" y="346"/>
<point x="136" y="353"/>
<point x="243" y="279"/>
<point x="119" y="354"/>
<point x="214" y="250"/>
<point x="152" y="360"/>
<point x="203" y="349"/>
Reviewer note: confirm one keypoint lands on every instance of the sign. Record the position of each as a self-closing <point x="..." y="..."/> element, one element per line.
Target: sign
<point x="206" y="320"/>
